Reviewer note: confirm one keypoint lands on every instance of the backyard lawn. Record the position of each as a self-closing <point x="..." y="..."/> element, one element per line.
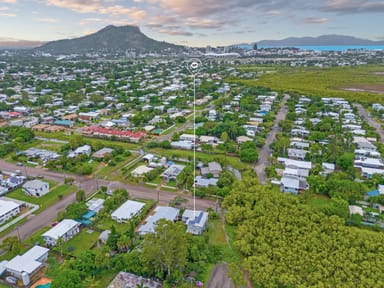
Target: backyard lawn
<point x="46" y="200"/>
<point x="80" y="242"/>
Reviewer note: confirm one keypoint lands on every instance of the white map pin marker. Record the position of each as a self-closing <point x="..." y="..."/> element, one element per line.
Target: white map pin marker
<point x="194" y="66"/>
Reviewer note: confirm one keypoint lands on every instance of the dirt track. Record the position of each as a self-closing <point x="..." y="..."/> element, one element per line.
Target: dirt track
<point x="219" y="278"/>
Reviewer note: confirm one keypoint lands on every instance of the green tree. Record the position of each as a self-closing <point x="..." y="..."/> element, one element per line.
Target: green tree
<point x="76" y="210"/>
<point x="164" y="252"/>
<point x="80" y="195"/>
<point x="11" y="244"/>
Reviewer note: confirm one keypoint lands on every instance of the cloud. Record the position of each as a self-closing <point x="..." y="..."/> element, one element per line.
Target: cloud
<point x="205" y="23"/>
<point x="133" y="13"/>
<point x="81" y="6"/>
<point x="48" y="20"/>
<point x="174" y="32"/>
<point x="9" y="1"/>
<point x="354" y="6"/>
<point x="4" y="8"/>
<point x="98" y="7"/>
<point x="315" y="20"/>
<point x="273" y="13"/>
<point x="8" y="14"/>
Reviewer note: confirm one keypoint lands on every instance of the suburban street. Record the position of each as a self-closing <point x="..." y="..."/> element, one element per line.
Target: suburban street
<point x="372" y="122"/>
<point x="265" y="151"/>
<point x="89" y="185"/>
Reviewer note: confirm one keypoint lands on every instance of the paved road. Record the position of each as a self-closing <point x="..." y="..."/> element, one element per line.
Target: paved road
<point x="46" y="217"/>
<point x="265" y="151"/>
<point x="372" y="122"/>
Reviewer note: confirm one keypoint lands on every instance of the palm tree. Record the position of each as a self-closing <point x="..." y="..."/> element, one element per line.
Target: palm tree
<point x="123" y="243"/>
<point x="59" y="242"/>
<point x="11" y="244"/>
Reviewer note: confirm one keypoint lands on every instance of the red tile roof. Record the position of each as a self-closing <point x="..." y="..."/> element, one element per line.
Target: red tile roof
<point x="106" y="131"/>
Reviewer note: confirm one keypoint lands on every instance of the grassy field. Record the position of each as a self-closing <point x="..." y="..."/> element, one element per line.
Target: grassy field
<point x="228" y="160"/>
<point x="81" y="242"/>
<point x="46" y="200"/>
<point x="319" y="202"/>
<point x="325" y="82"/>
<point x="113" y="172"/>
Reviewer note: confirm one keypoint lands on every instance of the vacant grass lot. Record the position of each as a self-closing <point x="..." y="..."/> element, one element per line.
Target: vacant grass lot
<point x="80" y="242"/>
<point x="325" y="82"/>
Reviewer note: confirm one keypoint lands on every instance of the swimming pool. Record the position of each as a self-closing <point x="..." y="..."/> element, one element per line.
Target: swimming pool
<point x="47" y="285"/>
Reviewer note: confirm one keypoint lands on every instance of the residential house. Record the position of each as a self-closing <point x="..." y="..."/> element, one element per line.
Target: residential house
<point x="8" y="209"/>
<point x="14" y="181"/>
<point x="141" y="170"/>
<point x="95" y="204"/>
<point x="27" y="267"/>
<point x="196" y="221"/>
<point x="242" y="139"/>
<point x="36" y="188"/>
<point x="183" y="145"/>
<point x="354" y="209"/>
<point x="296" y="153"/>
<point x="127" y="211"/>
<point x="161" y="212"/>
<point x="328" y="168"/>
<point x="65" y="230"/>
<point x="188" y="137"/>
<point x="172" y="172"/>
<point x="88" y="116"/>
<point x="102" y="153"/>
<point x="82" y="150"/>
<point x="201" y="182"/>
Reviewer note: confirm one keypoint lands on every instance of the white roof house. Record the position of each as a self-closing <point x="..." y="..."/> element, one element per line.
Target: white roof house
<point x="8" y="209"/>
<point x="172" y="172"/>
<point x="66" y="229"/>
<point x="141" y="170"/>
<point x="127" y="211"/>
<point x="353" y="209"/>
<point x="196" y="221"/>
<point x="85" y="149"/>
<point x="161" y="212"/>
<point x="95" y="204"/>
<point x="28" y="263"/>
<point x="36" y="188"/>
<point x="295" y="163"/>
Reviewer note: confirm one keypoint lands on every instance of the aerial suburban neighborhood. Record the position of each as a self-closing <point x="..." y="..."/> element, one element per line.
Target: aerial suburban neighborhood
<point x="164" y="165"/>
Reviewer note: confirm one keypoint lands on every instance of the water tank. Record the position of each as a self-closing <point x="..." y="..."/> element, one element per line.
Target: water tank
<point x="25" y="278"/>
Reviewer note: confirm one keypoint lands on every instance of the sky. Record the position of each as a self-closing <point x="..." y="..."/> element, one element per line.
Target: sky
<point x="192" y="22"/>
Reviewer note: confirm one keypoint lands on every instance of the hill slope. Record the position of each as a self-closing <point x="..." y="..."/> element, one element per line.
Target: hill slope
<point x="108" y="39"/>
<point x="324" y="40"/>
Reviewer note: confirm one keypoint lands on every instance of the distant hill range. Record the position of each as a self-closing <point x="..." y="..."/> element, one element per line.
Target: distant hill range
<point x="109" y="39"/>
<point x="324" y="40"/>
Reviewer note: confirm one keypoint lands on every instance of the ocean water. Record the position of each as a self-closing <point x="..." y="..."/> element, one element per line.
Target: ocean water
<point x="324" y="48"/>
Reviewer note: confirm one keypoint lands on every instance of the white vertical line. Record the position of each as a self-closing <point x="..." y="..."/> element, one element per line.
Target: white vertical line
<point x="194" y="146"/>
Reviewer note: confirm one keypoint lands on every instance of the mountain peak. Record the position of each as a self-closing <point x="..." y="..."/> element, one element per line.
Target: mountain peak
<point x="109" y="39"/>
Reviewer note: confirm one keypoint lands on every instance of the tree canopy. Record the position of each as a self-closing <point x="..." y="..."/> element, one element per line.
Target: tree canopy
<point x="287" y="243"/>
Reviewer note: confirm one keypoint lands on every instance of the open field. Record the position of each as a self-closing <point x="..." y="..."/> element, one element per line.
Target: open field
<point x="365" y="81"/>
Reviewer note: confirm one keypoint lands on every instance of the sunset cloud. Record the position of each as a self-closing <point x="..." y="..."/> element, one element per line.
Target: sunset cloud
<point x="80" y="6"/>
<point x="354" y="6"/>
<point x="8" y="1"/>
